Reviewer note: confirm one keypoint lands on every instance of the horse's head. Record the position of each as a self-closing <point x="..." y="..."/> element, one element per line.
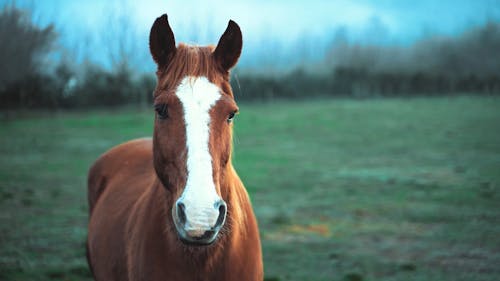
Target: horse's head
<point x="192" y="138"/>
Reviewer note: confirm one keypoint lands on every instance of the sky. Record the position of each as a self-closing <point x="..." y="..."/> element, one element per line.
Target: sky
<point x="275" y="30"/>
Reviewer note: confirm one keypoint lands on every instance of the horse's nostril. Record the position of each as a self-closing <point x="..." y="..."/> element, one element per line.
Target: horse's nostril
<point x="181" y="212"/>
<point x="221" y="205"/>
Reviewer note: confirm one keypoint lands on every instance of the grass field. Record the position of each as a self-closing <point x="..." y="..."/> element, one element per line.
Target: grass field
<point x="387" y="189"/>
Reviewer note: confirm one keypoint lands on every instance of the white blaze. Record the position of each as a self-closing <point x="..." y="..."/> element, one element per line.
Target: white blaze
<point x="198" y="96"/>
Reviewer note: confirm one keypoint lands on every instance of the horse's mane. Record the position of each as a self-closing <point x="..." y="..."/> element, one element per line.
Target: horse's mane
<point x="192" y="61"/>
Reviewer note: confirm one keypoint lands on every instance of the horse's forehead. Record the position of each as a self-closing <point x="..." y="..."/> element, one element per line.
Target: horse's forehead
<point x="197" y="93"/>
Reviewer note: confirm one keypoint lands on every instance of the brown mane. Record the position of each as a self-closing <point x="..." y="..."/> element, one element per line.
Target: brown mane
<point x="192" y="61"/>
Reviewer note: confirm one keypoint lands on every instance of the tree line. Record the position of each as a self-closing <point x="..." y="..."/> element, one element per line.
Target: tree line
<point x="466" y="64"/>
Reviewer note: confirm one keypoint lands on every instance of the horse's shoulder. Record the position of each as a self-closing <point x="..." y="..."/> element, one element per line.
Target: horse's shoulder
<point x="119" y="161"/>
<point x="136" y="146"/>
<point x="122" y="153"/>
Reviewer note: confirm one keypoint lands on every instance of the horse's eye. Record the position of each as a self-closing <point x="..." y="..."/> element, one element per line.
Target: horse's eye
<point x="231" y="116"/>
<point x="161" y="111"/>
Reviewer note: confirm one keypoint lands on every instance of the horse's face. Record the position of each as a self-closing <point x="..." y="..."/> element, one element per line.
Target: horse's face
<point x="193" y="128"/>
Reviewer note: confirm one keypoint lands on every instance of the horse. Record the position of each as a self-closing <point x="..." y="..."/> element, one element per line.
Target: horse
<point x="173" y="207"/>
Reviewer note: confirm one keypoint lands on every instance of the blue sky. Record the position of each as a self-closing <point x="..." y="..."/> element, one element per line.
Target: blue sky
<point x="271" y="28"/>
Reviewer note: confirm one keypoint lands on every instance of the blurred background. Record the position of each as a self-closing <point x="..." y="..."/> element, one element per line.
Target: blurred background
<point x="369" y="133"/>
<point x="96" y="53"/>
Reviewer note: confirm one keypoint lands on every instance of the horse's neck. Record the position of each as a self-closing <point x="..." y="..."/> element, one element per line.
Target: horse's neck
<point x="236" y="197"/>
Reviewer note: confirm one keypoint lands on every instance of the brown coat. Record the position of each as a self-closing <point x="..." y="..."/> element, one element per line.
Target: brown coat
<point x="131" y="234"/>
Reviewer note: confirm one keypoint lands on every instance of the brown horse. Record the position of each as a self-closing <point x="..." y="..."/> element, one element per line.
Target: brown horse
<point x="173" y="208"/>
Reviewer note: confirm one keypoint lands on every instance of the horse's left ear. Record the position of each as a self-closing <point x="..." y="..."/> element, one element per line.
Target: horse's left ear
<point x="162" y="41"/>
<point x="228" y="49"/>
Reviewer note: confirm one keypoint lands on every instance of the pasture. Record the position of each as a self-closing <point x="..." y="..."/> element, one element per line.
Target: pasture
<point x="382" y="189"/>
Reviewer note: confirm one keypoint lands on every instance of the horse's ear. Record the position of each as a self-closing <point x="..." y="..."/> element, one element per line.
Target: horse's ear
<point x="228" y="49"/>
<point x="162" y="41"/>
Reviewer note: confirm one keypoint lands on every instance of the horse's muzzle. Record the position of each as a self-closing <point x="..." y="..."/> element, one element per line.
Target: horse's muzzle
<point x="198" y="227"/>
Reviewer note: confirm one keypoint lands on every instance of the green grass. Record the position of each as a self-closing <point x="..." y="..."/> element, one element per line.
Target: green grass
<point x="387" y="189"/>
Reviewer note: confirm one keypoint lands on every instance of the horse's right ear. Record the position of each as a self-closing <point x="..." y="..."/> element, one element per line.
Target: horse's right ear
<point x="162" y="41"/>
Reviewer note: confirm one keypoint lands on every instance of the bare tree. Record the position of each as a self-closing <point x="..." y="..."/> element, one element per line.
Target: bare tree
<point x="22" y="51"/>
<point x="23" y="45"/>
<point x="122" y="38"/>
